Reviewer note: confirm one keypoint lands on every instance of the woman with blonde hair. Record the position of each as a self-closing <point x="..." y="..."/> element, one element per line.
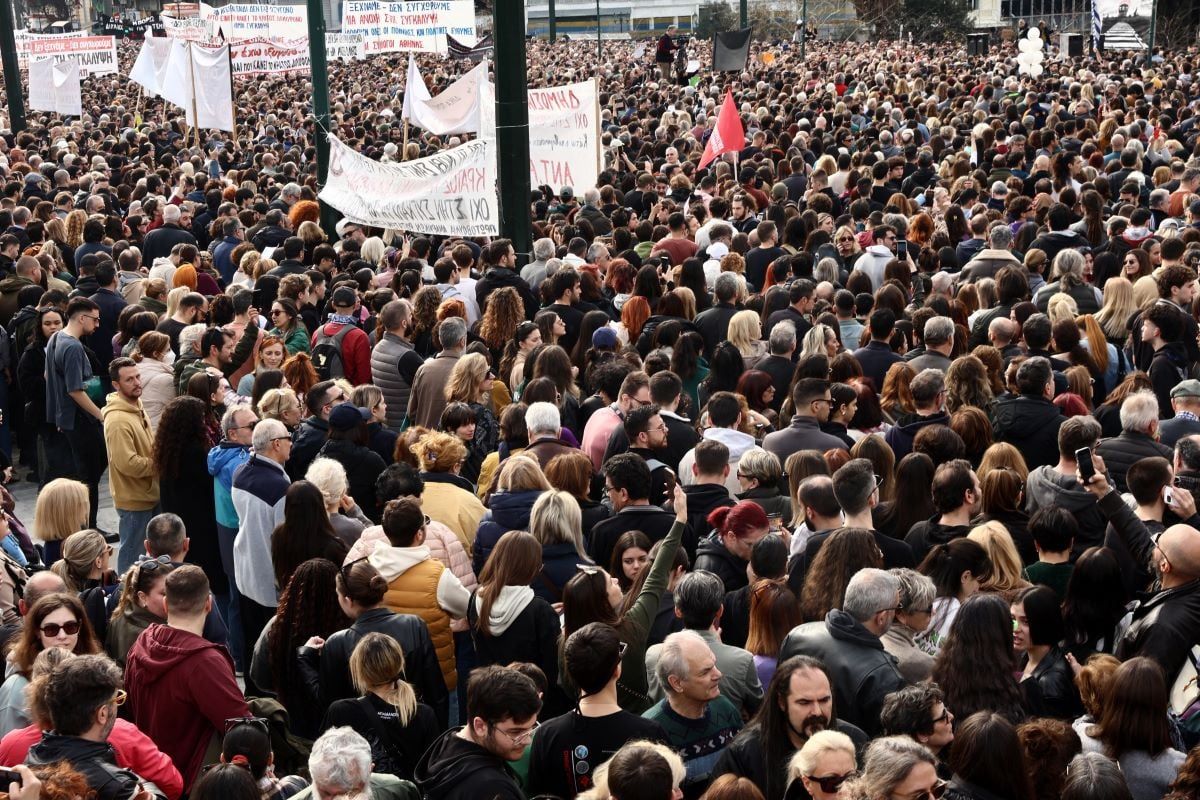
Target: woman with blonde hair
<point x="281" y="404"/>
<point x="441" y="457"/>
<point x="388" y="705"/>
<point x="1145" y="291"/>
<point x="893" y="767"/>
<point x="518" y="488"/>
<point x="819" y="341"/>
<point x="556" y="522"/>
<point x="1118" y="308"/>
<point x="745" y="333"/>
<point x="825" y="762"/>
<point x="471" y="383"/>
<point x="85" y="561"/>
<point x="61" y="510"/>
<point x="1003" y="455"/>
<point x="1005" y="578"/>
<point x="1062" y="306"/>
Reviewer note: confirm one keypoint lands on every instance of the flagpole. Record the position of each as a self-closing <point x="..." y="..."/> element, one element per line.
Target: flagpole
<point x="195" y="110"/>
<point x="232" y="95"/>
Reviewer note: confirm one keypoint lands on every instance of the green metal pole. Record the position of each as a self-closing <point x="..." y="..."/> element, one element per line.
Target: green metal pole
<point x="512" y="124"/>
<point x="743" y="13"/>
<point x="320" y="80"/>
<point x="1150" y="47"/>
<point x="599" y="44"/>
<point x="553" y="22"/>
<point x="803" y="28"/>
<point x="12" y="73"/>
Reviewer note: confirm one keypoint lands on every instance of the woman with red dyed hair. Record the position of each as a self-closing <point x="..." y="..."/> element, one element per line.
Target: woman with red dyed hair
<point x="304" y="211"/>
<point x="726" y="551"/>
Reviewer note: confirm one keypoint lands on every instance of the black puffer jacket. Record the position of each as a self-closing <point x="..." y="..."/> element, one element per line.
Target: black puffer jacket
<point x="713" y="556"/>
<point x="1120" y="453"/>
<point x="1031" y="425"/>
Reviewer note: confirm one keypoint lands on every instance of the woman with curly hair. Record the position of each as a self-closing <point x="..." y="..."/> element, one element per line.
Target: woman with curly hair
<point x="424" y="320"/>
<point x="895" y="398"/>
<point x="304" y="211"/>
<point x="974" y="427"/>
<point x="1187" y="781"/>
<point x="504" y="313"/>
<point x="209" y="389"/>
<point x="844" y="553"/>
<point x="976" y="664"/>
<point x="1048" y="745"/>
<point x="305" y="614"/>
<point x="968" y="384"/>
<point x="993" y="362"/>
<point x="186" y="488"/>
<point x="441" y="456"/>
<point x="300" y="375"/>
<point x="471" y="383"/>
<point x="527" y="337"/>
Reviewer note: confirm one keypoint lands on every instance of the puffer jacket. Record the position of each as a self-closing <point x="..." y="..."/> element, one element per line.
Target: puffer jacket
<point x="158" y="388"/>
<point x="509" y="512"/>
<point x="559" y="564"/>
<point x="456" y="508"/>
<point x="223" y="461"/>
<point x="394" y="365"/>
<point x="1120" y="453"/>
<point x="1031" y="425"/>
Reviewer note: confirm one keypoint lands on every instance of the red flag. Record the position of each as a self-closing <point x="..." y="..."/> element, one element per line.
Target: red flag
<point x="728" y="136"/>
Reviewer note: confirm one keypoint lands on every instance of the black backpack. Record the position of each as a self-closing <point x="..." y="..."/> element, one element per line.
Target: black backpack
<point x="327" y="354"/>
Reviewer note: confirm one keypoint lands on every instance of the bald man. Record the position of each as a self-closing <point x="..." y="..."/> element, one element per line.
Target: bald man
<point x="38" y="586"/>
<point x="1166" y="622"/>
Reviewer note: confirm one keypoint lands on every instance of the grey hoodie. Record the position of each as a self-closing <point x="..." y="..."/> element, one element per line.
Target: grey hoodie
<point x="1048" y="487"/>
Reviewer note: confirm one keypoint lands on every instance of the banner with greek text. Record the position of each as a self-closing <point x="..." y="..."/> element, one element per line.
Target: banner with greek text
<point x="94" y="55"/>
<point x="263" y="57"/>
<point x="343" y="47"/>
<point x="451" y="193"/>
<point x="25" y="39"/>
<point x="242" y="21"/>
<point x="189" y="21"/>
<point x="419" y="26"/>
<point x="564" y="136"/>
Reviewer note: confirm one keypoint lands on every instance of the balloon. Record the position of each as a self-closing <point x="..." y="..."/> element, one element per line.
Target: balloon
<point x="1035" y="70"/>
<point x="1035" y="33"/>
<point x="1025" y="59"/>
<point x="1024" y="45"/>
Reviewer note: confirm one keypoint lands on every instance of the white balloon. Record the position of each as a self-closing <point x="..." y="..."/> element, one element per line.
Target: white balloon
<point x="1025" y="59"/>
<point x="1035" y="33"/>
<point x="1024" y="45"/>
<point x="1035" y="70"/>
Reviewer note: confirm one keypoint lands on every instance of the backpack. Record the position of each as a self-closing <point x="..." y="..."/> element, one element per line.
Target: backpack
<point x="327" y="353"/>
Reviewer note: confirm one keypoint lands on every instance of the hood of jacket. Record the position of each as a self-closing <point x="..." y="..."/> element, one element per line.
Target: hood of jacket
<point x="508" y="605"/>
<point x="450" y="762"/>
<point x="115" y="404"/>
<point x="912" y="424"/>
<point x="1067" y="238"/>
<point x="1023" y="416"/>
<point x="224" y="454"/>
<point x="936" y="533"/>
<point x="845" y="628"/>
<point x="711" y="546"/>
<point x="1048" y="487"/>
<point x="160" y="649"/>
<point x="1176" y="353"/>
<point x="392" y="562"/>
<point x="52" y="747"/>
<point x="511" y="510"/>
<point x="737" y="442"/>
<point x="14" y="283"/>
<point x="880" y="251"/>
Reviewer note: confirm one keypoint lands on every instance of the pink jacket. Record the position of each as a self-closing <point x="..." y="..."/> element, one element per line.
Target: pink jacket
<point x="443" y="545"/>
<point x="134" y="749"/>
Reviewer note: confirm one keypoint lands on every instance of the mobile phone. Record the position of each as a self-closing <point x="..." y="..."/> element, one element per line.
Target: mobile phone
<point x="1168" y="496"/>
<point x="902" y="249"/>
<point x="669" y="481"/>
<point x="775" y="522"/>
<point x="9" y="777"/>
<point x="1087" y="470"/>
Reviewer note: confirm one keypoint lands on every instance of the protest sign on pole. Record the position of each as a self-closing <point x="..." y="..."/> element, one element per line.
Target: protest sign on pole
<point x="241" y="21"/>
<point x="54" y="86"/>
<point x="151" y="64"/>
<point x="94" y="55"/>
<point x="419" y="26"/>
<point x="451" y="193"/>
<point x="343" y="47"/>
<point x="454" y="110"/>
<point x="263" y="57"/>
<point x="198" y="77"/>
<point x="564" y="136"/>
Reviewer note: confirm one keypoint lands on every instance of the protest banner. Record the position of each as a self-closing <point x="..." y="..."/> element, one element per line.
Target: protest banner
<point x="197" y="79"/>
<point x="94" y="55"/>
<point x="454" y="110"/>
<point x="564" y="136"/>
<point x="189" y="21"/>
<point x="419" y="26"/>
<point x="343" y="47"/>
<point x="150" y="66"/>
<point x="24" y="40"/>
<point x="451" y="193"/>
<point x="241" y="21"/>
<point x="263" y="57"/>
<point x="54" y="86"/>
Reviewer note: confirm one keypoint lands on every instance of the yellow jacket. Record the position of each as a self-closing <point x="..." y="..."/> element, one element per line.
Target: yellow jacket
<point x="131" y="477"/>
<point x="454" y="507"/>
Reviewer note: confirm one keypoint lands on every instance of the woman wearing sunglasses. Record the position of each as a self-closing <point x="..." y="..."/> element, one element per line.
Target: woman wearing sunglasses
<point x="896" y="768"/>
<point x="57" y="620"/>
<point x="821" y="766"/>
<point x="143" y="602"/>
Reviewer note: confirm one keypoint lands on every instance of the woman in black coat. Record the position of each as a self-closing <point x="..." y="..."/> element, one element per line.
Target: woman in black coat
<point x="185" y="487"/>
<point x="31" y="379"/>
<point x="347" y="445"/>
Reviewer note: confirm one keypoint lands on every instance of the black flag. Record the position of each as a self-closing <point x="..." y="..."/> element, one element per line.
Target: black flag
<point x="482" y="49"/>
<point x="731" y="50"/>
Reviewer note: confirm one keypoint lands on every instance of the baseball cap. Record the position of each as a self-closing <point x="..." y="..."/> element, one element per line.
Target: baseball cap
<point x="1188" y="388"/>
<point x="604" y="337"/>
<point x="347" y="416"/>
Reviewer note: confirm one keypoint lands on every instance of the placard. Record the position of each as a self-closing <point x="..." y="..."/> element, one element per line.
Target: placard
<point x="419" y="26"/>
<point x="564" y="136"/>
<point x="343" y="47"/>
<point x="263" y="57"/>
<point x="94" y="55"/>
<point x="242" y="21"/>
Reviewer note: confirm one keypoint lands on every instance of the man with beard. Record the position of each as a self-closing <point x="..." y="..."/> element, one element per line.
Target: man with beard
<point x="798" y="703"/>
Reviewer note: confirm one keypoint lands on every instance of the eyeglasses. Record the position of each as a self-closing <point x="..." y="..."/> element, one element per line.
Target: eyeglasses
<point x="345" y="568"/>
<point x="248" y="427"/>
<point x="95" y="318"/>
<point x="944" y="716"/>
<point x="520" y="737"/>
<point x="52" y="629"/>
<point x="588" y="569"/>
<point x="257" y="722"/>
<point x="831" y="783"/>
<point x="823" y="400"/>
<point x="282" y="439"/>
<point x="120" y="697"/>
<point x="276" y="312"/>
<point x="844" y="239"/>
<point x="897" y="608"/>
<point x="1158" y="547"/>
<point x="152" y="564"/>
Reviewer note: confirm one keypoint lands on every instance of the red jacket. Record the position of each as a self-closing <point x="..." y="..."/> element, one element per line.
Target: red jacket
<point x="356" y="352"/>
<point x="135" y="752"/>
<point x="181" y="690"/>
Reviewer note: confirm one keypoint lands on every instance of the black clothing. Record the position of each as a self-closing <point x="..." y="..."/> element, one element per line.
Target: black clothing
<point x="1050" y="691"/>
<point x="95" y="760"/>
<point x="395" y="748"/>
<point x="1031" y="425"/>
<point x="714" y="557"/>
<point x="650" y="520"/>
<point x="748" y="755"/>
<point x="924" y="536"/>
<point x="566" y="750"/>
<point x="454" y="768"/>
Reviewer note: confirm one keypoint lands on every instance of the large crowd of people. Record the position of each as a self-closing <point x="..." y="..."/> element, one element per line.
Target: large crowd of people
<point x="861" y="464"/>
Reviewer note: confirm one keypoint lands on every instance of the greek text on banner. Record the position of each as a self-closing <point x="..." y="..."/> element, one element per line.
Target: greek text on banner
<point x="413" y="26"/>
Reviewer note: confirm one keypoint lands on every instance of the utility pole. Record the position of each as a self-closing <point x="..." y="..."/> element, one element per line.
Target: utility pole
<point x="743" y="13"/>
<point x="12" y="73"/>
<point x="512" y="124"/>
<point x="553" y="22"/>
<point x="599" y="44"/>
<point x="803" y="28"/>
<point x="320" y="81"/>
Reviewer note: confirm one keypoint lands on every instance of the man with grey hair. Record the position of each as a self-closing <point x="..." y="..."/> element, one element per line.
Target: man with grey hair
<point x="394" y="362"/>
<point x="534" y="272"/>
<point x="590" y="210"/>
<point x="778" y="362"/>
<point x="993" y="258"/>
<point x="340" y="765"/>
<point x="544" y="426"/>
<point x="913" y="614"/>
<point x="849" y="643"/>
<point x="699" y="602"/>
<point x="237" y="428"/>
<point x="427" y="399"/>
<point x="1137" y="440"/>
<point x="288" y="196"/>
<point x="929" y="396"/>
<point x="162" y="240"/>
<point x="939" y="343"/>
<point x="699" y="720"/>
<point x="713" y="323"/>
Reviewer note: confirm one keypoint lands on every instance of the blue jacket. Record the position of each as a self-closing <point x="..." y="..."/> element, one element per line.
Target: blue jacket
<point x="221" y="259"/>
<point x="559" y="564"/>
<point x="223" y="461"/>
<point x="509" y="512"/>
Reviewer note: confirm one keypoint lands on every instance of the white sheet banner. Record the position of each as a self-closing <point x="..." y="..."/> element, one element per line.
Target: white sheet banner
<point x="206" y="69"/>
<point x="451" y="193"/>
<point x="454" y="110"/>
<point x="151" y="64"/>
<point x="54" y="86"/>
<point x="564" y="136"/>
<point x="343" y="47"/>
<point x="417" y="26"/>
<point x="94" y="55"/>
<point x="241" y="21"/>
<point x="192" y="22"/>
<point x="263" y="57"/>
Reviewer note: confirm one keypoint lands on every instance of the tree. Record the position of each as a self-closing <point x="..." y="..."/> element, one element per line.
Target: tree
<point x="932" y="20"/>
<point x="716" y="17"/>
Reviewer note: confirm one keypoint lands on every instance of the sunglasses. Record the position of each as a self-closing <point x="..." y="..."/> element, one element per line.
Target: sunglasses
<point x="152" y="564"/>
<point x="256" y="722"/>
<point x="831" y="783"/>
<point x="52" y="629"/>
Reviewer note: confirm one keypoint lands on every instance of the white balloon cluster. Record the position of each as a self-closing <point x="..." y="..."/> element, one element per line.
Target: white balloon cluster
<point x="1031" y="55"/>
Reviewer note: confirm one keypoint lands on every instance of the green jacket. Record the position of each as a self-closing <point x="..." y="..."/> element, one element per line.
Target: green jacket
<point x="383" y="787"/>
<point x="295" y="342"/>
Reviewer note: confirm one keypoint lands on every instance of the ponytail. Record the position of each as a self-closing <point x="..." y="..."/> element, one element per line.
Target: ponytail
<point x="404" y="700"/>
<point x="128" y="591"/>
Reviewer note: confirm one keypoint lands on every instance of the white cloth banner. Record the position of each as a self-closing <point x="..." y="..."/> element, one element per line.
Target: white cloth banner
<point x="451" y="193"/>
<point x="242" y="21"/>
<point x="93" y="55"/>
<point x="263" y="57"/>
<point x="416" y="26"/>
<point x="454" y="110"/>
<point x="207" y="70"/>
<point x="151" y="64"/>
<point x="24" y="40"/>
<point x="54" y="86"/>
<point x="343" y="47"/>
<point x="564" y="136"/>
<point x="189" y="21"/>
